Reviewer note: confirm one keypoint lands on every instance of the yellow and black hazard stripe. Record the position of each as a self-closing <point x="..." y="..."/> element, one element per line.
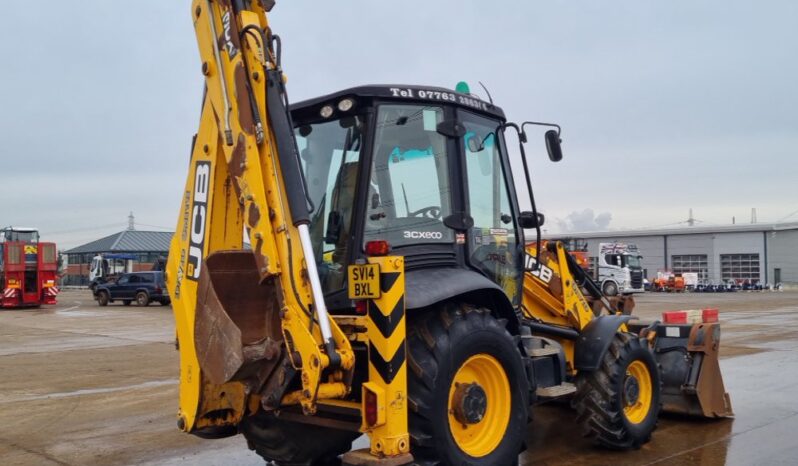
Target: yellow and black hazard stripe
<point x="387" y="353"/>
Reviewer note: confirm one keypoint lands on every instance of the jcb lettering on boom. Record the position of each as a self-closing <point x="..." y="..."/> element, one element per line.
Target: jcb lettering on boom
<point x="199" y="216"/>
<point x="542" y="272"/>
<point x="228" y="41"/>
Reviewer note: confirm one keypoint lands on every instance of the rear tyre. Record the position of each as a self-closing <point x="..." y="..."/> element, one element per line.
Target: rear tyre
<point x="467" y="388"/>
<point x="610" y="288"/>
<point x="142" y="298"/>
<point x="618" y="404"/>
<point x="102" y="298"/>
<point x="293" y="444"/>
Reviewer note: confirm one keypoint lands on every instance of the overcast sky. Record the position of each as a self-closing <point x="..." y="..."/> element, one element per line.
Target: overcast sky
<point x="665" y="105"/>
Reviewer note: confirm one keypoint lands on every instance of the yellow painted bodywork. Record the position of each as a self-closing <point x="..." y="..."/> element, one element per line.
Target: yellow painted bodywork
<point x="234" y="185"/>
<point x="552" y="296"/>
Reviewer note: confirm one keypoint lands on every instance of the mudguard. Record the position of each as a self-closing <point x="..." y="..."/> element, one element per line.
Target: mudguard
<point x="595" y="339"/>
<point x="425" y="287"/>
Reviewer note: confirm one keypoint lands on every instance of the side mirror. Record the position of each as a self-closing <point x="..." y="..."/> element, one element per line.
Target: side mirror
<point x="451" y="128"/>
<point x="553" y="145"/>
<point x="528" y="220"/>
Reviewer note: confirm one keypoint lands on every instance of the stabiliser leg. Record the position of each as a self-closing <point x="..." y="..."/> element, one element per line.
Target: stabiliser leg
<point x="384" y="401"/>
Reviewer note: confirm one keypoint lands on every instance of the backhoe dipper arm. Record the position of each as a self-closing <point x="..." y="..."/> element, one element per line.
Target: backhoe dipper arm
<point x="245" y="174"/>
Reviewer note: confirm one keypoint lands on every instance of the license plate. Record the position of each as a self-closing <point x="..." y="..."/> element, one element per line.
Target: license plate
<point x="364" y="281"/>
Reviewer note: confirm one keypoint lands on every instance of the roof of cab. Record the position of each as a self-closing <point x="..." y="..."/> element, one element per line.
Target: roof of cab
<point x="404" y="92"/>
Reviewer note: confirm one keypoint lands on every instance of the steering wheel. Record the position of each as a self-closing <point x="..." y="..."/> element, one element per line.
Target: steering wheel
<point x="427" y="212"/>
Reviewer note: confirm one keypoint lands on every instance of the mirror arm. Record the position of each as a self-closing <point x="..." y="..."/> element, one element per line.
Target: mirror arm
<point x="538" y="123"/>
<point x="521" y="141"/>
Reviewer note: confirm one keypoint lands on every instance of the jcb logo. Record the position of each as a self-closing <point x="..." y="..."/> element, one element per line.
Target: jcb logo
<point x="199" y="216"/>
<point x="228" y="39"/>
<point x="543" y="273"/>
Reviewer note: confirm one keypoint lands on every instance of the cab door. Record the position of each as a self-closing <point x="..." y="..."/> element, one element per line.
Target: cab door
<point x="124" y="288"/>
<point x="493" y="242"/>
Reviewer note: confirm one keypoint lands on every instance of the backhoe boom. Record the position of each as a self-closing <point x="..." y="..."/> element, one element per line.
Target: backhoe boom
<point x="244" y="175"/>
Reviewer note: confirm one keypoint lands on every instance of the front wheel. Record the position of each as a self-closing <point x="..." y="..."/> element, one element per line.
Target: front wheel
<point x="102" y="298"/>
<point x="610" y="288"/>
<point x="618" y="403"/>
<point x="467" y="388"/>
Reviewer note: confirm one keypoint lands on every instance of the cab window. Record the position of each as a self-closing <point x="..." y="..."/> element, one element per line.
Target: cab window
<point x="493" y="242"/>
<point x="330" y="156"/>
<point x="409" y="193"/>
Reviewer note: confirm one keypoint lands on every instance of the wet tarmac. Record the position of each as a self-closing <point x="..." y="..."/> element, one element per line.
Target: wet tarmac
<point x="81" y="384"/>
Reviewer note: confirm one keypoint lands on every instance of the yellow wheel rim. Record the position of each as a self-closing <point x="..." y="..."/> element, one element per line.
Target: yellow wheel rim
<point x="637" y="392"/>
<point x="480" y="434"/>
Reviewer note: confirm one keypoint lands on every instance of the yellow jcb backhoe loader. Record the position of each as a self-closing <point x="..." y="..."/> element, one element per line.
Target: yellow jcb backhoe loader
<point x="386" y="288"/>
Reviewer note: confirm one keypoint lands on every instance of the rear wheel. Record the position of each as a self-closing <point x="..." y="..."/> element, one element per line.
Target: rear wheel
<point x="102" y="298"/>
<point x="618" y="404"/>
<point x="467" y="388"/>
<point x="142" y="298"/>
<point x="293" y="444"/>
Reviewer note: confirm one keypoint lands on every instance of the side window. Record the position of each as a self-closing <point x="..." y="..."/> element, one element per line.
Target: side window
<point x="493" y="244"/>
<point x="135" y="279"/>
<point x="409" y="193"/>
<point x="146" y="278"/>
<point x="330" y="156"/>
<point x="124" y="280"/>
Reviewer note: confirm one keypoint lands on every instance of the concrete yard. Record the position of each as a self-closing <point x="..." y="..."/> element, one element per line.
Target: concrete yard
<point x="80" y="384"/>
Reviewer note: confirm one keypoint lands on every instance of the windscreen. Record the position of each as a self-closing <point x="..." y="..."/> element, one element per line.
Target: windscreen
<point x="409" y="193"/>
<point x="633" y="262"/>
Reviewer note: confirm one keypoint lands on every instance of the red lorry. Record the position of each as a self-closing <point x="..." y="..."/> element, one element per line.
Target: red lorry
<point x="28" y="269"/>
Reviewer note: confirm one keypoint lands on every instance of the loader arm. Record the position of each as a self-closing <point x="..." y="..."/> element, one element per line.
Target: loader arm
<point x="244" y="176"/>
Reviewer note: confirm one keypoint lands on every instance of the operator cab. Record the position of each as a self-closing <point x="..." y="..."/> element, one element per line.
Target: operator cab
<point x="428" y="167"/>
<point x="19" y="234"/>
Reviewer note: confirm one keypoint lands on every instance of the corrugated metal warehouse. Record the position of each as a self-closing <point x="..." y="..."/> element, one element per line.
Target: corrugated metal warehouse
<point x="763" y="252"/>
<point x="146" y="246"/>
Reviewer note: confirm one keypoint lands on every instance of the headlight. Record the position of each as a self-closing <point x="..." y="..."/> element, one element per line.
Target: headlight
<point x="326" y="111"/>
<point x="345" y="105"/>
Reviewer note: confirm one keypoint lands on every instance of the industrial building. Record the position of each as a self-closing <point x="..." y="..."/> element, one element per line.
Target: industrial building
<point x="146" y="246"/>
<point x="760" y="252"/>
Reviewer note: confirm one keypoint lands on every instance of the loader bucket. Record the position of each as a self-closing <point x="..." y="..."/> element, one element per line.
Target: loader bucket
<point x="690" y="372"/>
<point x="237" y="331"/>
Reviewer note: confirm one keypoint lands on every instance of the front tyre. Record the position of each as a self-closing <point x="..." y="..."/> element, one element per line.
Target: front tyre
<point x="610" y="288"/>
<point x="467" y="387"/>
<point x="618" y="404"/>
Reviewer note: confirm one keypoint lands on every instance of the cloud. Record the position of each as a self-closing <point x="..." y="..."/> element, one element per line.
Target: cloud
<point x="585" y="220"/>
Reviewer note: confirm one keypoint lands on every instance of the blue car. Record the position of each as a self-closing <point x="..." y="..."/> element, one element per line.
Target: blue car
<point x="141" y="287"/>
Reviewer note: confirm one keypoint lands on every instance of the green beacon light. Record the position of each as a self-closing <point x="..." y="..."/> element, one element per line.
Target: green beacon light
<point x="462" y="88"/>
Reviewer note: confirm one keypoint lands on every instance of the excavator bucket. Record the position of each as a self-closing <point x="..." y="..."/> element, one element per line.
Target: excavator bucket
<point x="237" y="331"/>
<point x="691" y="380"/>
